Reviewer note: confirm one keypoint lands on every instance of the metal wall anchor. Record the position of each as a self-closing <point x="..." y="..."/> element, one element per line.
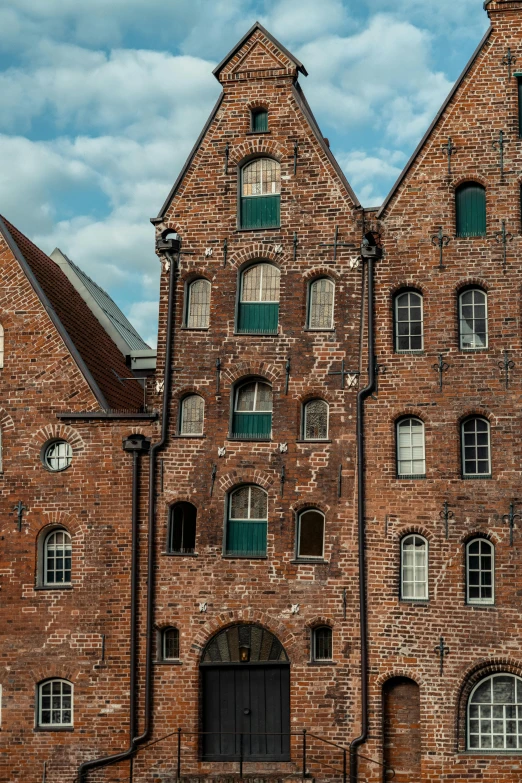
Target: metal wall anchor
<point x="442" y="241"/>
<point x="506" y="365"/>
<point x="441" y="367"/>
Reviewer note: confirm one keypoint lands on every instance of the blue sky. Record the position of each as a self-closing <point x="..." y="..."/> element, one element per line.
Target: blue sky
<point x="101" y="101"/>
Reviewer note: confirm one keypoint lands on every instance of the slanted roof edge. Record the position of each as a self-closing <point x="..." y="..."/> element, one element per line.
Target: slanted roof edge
<point x="441" y="111"/>
<point x="64" y="334"/>
<point x="188" y="162"/>
<point x="305" y="108"/>
<point x="258" y="26"/>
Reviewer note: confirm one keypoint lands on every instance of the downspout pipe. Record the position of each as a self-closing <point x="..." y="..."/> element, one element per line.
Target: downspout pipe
<point x="171" y="249"/>
<point x="370" y="252"/>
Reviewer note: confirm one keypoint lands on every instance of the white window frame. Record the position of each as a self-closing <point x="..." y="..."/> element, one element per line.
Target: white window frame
<point x="257" y="384"/>
<point x="301" y="514"/>
<point x="51" y="725"/>
<point x="461" y="319"/>
<point x="164" y="643"/>
<point x="396" y="319"/>
<point x="311" y="285"/>
<point x="68" y="455"/>
<point x="313" y="645"/>
<point x="488" y="714"/>
<point x="45" y="580"/>
<point x="480" y="601"/>
<point x="188" y="325"/>
<point x="305" y="407"/>
<point x="249" y="518"/>
<point x="409" y="474"/>
<point x="463" y="448"/>
<point x="182" y="416"/>
<point x="425" y="580"/>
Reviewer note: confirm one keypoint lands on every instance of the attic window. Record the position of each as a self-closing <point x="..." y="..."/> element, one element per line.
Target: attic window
<point x="259" y="121"/>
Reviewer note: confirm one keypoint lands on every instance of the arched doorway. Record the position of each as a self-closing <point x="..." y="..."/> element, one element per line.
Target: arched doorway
<point x="245" y="678"/>
<point x="402" y="729"/>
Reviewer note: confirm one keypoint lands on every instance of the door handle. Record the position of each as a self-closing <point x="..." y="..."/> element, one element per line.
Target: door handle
<point x="246" y="711"/>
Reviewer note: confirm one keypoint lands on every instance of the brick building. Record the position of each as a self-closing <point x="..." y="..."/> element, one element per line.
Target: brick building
<point x="277" y="585"/>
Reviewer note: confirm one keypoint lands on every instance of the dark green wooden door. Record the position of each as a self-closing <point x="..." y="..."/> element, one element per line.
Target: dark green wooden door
<point x="260" y="211"/>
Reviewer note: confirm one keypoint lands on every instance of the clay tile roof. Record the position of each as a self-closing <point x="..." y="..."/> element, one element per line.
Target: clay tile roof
<point x="96" y="354"/>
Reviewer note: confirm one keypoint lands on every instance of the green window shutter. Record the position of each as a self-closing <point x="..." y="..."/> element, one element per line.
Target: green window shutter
<point x="519" y="80"/>
<point x="260" y="211"/>
<point x="470" y="203"/>
<point x="259" y="121"/>
<point x="258" y="317"/>
<point x="252" y="425"/>
<point x="245" y="538"/>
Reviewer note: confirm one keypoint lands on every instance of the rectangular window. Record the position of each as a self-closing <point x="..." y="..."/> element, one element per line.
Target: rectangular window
<point x="519" y="80"/>
<point x="260" y="121"/>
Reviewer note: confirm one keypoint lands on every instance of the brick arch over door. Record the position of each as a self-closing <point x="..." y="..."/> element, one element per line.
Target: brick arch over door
<point x="402" y="730"/>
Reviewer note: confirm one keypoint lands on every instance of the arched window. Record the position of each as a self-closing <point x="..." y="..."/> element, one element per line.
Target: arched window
<point x="322" y="647"/>
<point x="258" y="311"/>
<point x="247" y="521"/>
<point x="259" y="121"/>
<point x="321" y="304"/>
<point x="470" y="207"/>
<point x="409" y="326"/>
<point x="55" y="704"/>
<point x="480" y="572"/>
<point x="260" y="194"/>
<point x="315" y="420"/>
<point x="170" y="644"/>
<point x="473" y="318"/>
<point x="198" y="304"/>
<point x="57" y="555"/>
<point x="476" y="449"/>
<point x="414" y="568"/>
<point x="411" y="458"/>
<point x="310" y="534"/>
<point x="1" y="346"/>
<point x="192" y="415"/>
<point x="252" y="417"/>
<point x="495" y="714"/>
<point x="182" y="529"/>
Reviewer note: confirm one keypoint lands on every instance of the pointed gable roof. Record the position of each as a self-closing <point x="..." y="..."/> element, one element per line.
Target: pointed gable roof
<point x="272" y="52"/>
<point x="96" y="355"/>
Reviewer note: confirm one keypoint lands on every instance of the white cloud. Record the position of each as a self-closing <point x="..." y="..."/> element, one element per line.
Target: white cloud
<point x="372" y="175"/>
<point x="144" y="315"/>
<point x="305" y="20"/>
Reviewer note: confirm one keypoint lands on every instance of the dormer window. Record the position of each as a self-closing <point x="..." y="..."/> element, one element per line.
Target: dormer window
<point x="259" y="121"/>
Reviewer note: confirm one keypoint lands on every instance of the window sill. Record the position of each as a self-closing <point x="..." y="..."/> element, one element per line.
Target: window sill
<point x="471" y="605"/>
<point x="245" y="557"/>
<point x="413" y="477"/>
<point x="477" y="478"/>
<point x="310" y="561"/>
<point x="168" y="663"/>
<point x="53" y="587"/>
<point x="318" y="331"/>
<point x="179" y="554"/>
<point x="256" y="334"/>
<point x="420" y="352"/>
<point x="249" y="230"/>
<point x="195" y="328"/>
<point x="232" y="439"/>
<point x="312" y="442"/>
<point x="474" y="350"/>
<point x="322" y="663"/>
<point x="53" y="728"/>
<point x="190" y="437"/>
<point x="489" y="753"/>
<point x="257" y="133"/>
<point x="415" y="601"/>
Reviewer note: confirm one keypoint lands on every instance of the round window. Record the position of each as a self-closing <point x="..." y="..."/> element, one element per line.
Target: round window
<point x="57" y="455"/>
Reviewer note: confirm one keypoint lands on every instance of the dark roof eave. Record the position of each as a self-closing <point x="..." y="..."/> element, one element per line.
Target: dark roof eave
<point x="441" y="111"/>
<point x="257" y="26"/>
<point x="53" y="316"/>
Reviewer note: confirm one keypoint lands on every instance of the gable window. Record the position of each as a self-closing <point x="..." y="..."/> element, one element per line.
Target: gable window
<point x="259" y="121"/>
<point x="252" y="417"/>
<point x="321" y="304"/>
<point x="414" y="568"/>
<point x="310" y="534"/>
<point x="315" y="420"/>
<point x="470" y="207"/>
<point x="182" y="529"/>
<point x="411" y="458"/>
<point x="247" y="522"/>
<point x="476" y="451"/>
<point x="322" y="647"/>
<point x="260" y="205"/>
<point x="473" y="312"/>
<point x="57" y="559"/>
<point x="55" y="704"/>
<point x="259" y="300"/>
<point x="192" y="415"/>
<point x="57" y="455"/>
<point x="198" y="305"/>
<point x="480" y="572"/>
<point x="170" y="644"/>
<point x="409" y="327"/>
<point x="495" y="714"/>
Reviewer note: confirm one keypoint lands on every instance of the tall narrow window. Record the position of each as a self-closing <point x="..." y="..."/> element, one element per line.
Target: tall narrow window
<point x="321" y="304"/>
<point x="315" y="424"/>
<point x="470" y="207"/>
<point x="414" y="568"/>
<point x="192" y="415"/>
<point x="259" y="300"/>
<point x="182" y="529"/>
<point x="253" y="411"/>
<point x="247" y="522"/>
<point x="480" y="572"/>
<point x="476" y="449"/>
<point x="473" y="310"/>
<point x="409" y="329"/>
<point x="495" y="714"/>
<point x="322" y="648"/>
<point x="1" y="346"/>
<point x="310" y="534"/>
<point x="55" y="704"/>
<point x="170" y="644"/>
<point x="260" y="194"/>
<point x="198" y="304"/>
<point x="411" y="459"/>
<point x="57" y="556"/>
<point x="259" y="121"/>
<point x="519" y="80"/>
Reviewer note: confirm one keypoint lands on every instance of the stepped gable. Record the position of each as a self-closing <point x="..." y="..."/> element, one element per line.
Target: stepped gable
<point x="101" y="359"/>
